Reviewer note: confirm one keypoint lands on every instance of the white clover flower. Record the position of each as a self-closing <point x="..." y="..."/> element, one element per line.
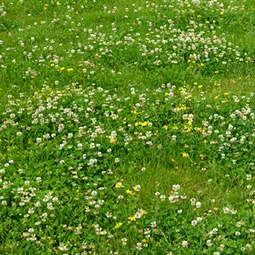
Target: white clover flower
<point x="198" y="204"/>
<point x="185" y="243"/>
<point x="154" y="224"/>
<point x="176" y="187"/>
<point x="139" y="246"/>
<point x="194" y="223"/>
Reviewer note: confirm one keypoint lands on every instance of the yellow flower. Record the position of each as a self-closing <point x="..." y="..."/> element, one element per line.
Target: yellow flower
<point x="144" y="124"/>
<point x="226" y="94"/>
<point x="113" y="140"/>
<point x="143" y="212"/>
<point x="69" y="69"/>
<point x="182" y="91"/>
<point x="58" y="3"/>
<point x="119" y="185"/>
<point x="198" y="129"/>
<point x="202" y="156"/>
<point x="134" y="112"/>
<point x="185" y="155"/>
<point x="62" y="68"/>
<point x="165" y="127"/>
<point x="129" y="192"/>
<point x="118" y="225"/>
<point x="45" y="7"/>
<point x="200" y="86"/>
<point x="187" y="128"/>
<point x="132" y="218"/>
<point x="52" y="64"/>
<point x="202" y="64"/>
<point x="182" y="107"/>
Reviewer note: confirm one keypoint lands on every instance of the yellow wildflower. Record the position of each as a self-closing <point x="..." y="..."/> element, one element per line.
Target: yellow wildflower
<point x="69" y="69"/>
<point x="113" y="140"/>
<point x="129" y="192"/>
<point x="58" y="3"/>
<point x="165" y="127"/>
<point x="202" y="156"/>
<point x="119" y="185"/>
<point x="187" y="128"/>
<point x="118" y="225"/>
<point x="143" y="212"/>
<point x="182" y="107"/>
<point x="45" y="7"/>
<point x="200" y="86"/>
<point x="182" y="91"/>
<point x="132" y="218"/>
<point x="185" y="155"/>
<point x="144" y="124"/>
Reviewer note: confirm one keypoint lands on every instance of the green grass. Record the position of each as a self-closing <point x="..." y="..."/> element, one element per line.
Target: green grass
<point x="127" y="127"/>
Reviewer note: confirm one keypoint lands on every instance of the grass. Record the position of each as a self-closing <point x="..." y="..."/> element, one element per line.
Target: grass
<point x="127" y="127"/>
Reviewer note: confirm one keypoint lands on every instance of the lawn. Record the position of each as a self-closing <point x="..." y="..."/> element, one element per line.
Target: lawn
<point x="127" y="127"/>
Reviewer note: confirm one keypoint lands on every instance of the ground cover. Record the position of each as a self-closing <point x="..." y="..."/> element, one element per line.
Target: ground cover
<point x="127" y="127"/>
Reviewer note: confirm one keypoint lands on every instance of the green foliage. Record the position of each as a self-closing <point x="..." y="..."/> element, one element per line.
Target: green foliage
<point x="123" y="129"/>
